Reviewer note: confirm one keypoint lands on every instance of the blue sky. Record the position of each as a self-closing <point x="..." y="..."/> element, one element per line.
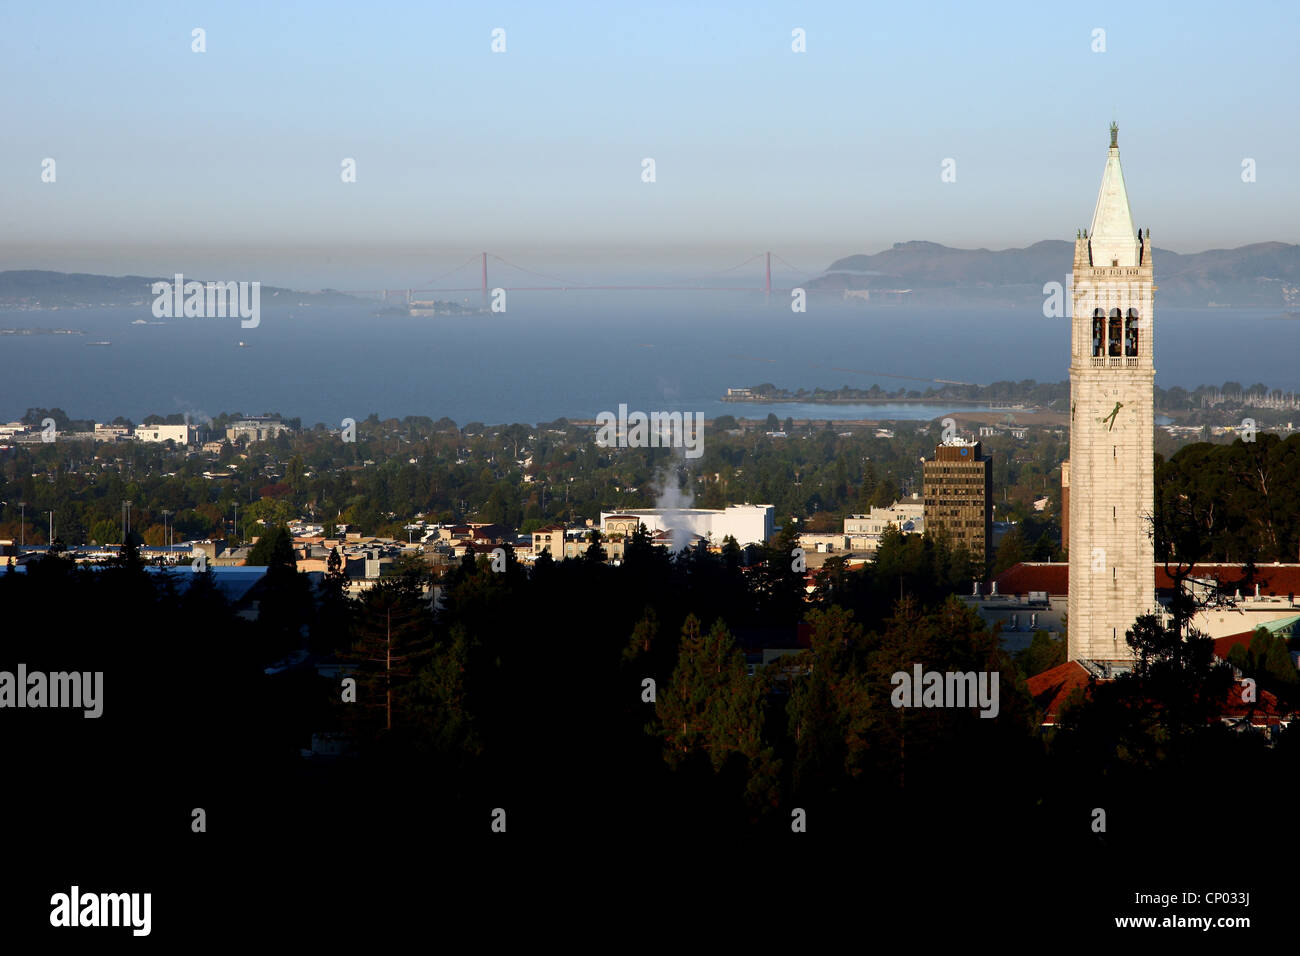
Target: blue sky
<point x="828" y="152"/>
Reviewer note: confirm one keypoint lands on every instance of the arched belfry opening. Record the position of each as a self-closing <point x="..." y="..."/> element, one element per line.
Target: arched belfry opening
<point x="1115" y="333"/>
<point x="1131" y="328"/>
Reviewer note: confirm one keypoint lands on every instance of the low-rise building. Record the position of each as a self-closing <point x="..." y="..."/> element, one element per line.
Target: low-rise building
<point x="862" y="532"/>
<point x="1033" y="596"/>
<point x="823" y="542"/>
<point x="256" y="429"/>
<point x="748" y="524"/>
<point x="180" y="434"/>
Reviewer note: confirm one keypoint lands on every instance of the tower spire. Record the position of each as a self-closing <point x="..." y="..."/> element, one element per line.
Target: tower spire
<point x="1114" y="240"/>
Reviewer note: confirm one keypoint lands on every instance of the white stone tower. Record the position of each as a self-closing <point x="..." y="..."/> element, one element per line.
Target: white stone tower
<point x="1112" y="423"/>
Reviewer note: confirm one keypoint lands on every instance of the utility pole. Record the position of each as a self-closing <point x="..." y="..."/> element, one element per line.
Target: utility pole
<point x="51" y="529"/>
<point x="22" y="525"/>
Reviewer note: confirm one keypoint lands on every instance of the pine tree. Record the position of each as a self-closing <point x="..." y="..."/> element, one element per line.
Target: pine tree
<point x="392" y="641"/>
<point x="829" y="713"/>
<point x="334" y="612"/>
<point x="595" y="554"/>
<point x="783" y="587"/>
<point x="711" y="705"/>
<point x="440" y="716"/>
<point x="274" y="549"/>
<point x="643" y="636"/>
<point x="682" y="711"/>
<point x="128" y="557"/>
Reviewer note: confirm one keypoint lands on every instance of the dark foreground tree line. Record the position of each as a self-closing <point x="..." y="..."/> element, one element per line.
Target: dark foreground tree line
<point x="528" y="692"/>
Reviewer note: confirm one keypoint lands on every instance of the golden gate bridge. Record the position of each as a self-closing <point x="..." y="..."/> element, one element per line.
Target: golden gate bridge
<point x="566" y="285"/>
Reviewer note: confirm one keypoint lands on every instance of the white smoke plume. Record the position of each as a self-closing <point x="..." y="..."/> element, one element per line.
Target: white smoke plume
<point x="673" y="500"/>
<point x="193" y="416"/>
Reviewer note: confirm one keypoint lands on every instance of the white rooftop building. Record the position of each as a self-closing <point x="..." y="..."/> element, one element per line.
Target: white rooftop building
<point x="862" y="532"/>
<point x="180" y="434"/>
<point x="748" y="524"/>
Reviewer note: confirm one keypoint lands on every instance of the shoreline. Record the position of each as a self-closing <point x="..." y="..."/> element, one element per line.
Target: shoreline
<point x="874" y="401"/>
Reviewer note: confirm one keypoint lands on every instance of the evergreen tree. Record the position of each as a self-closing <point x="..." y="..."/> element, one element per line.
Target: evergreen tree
<point x="885" y="494"/>
<point x="274" y="548"/>
<point x="392" y="642"/>
<point x="683" y="709"/>
<point x="829" y="711"/>
<point x="731" y="555"/>
<point x="439" y="713"/>
<point x="1042" y="654"/>
<point x="1011" y="551"/>
<point x="334" y="611"/>
<point x="784" y="588"/>
<point x="643" y="636"/>
<point x="595" y="554"/>
<point x="128" y="557"/>
<point x="713" y="708"/>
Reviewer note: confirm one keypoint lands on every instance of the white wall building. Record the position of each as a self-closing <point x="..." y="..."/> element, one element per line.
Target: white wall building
<point x="180" y="434"/>
<point x="748" y="524"/>
<point x="862" y="532"/>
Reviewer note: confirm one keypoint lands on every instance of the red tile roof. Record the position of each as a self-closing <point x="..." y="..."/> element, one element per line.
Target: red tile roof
<point x="1054" y="578"/>
<point x="1272" y="578"/>
<point x="1224" y="645"/>
<point x="1051" y="688"/>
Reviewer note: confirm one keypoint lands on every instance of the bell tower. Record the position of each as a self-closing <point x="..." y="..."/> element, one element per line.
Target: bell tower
<point x="1112" y="426"/>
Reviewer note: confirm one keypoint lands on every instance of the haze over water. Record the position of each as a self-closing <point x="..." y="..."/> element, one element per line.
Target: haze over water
<point x="575" y="354"/>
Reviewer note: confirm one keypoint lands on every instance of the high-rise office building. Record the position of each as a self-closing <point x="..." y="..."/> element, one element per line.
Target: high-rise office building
<point x="958" y="493"/>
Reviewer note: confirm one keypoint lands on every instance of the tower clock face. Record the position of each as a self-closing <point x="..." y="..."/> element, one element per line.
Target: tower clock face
<point x="1111" y="417"/>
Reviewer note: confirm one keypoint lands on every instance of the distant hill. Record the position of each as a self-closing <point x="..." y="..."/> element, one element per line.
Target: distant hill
<point x="36" y="289"/>
<point x="1264" y="274"/>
